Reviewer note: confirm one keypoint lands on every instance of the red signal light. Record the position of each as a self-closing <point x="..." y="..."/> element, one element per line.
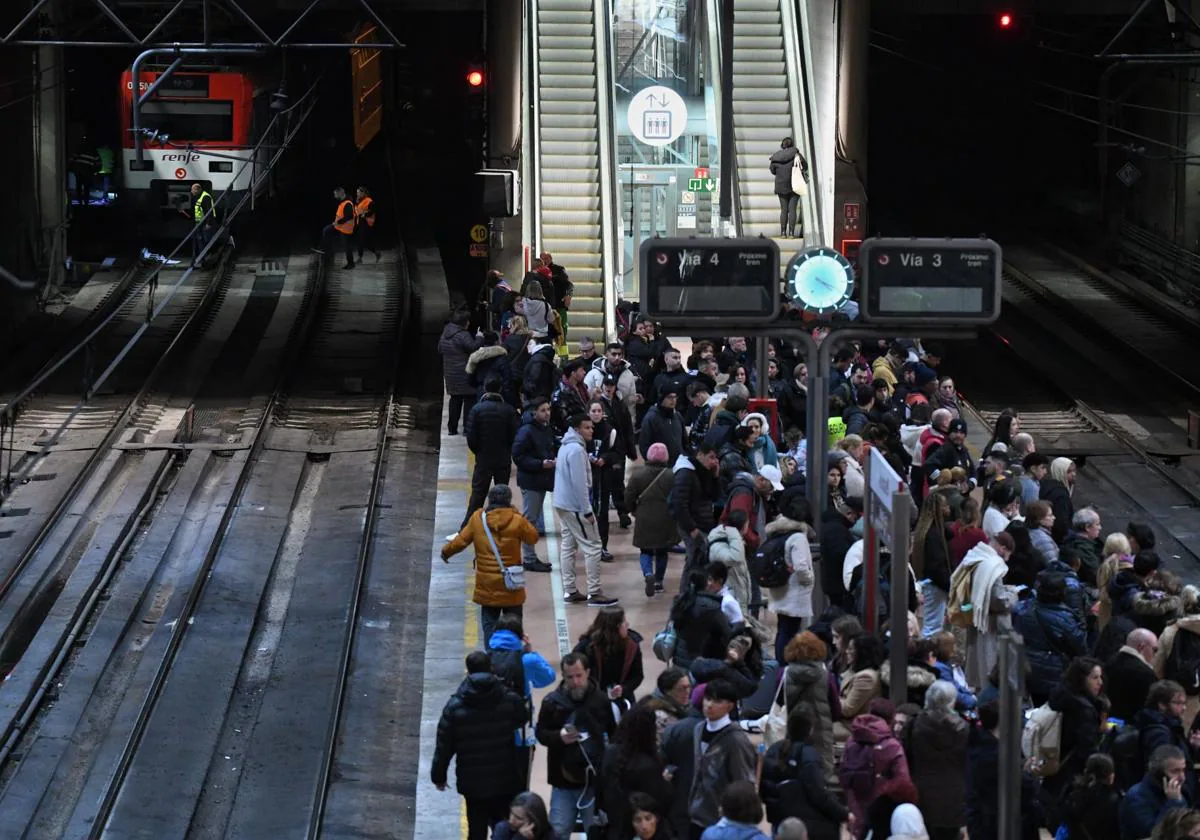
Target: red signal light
<point x="475" y="78"/>
<point x="1006" y="21"/>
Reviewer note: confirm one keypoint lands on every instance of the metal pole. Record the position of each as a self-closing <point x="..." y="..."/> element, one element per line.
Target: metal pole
<point x="870" y="566"/>
<point x="1133" y="19"/>
<point x="166" y="74"/>
<point x="728" y="156"/>
<point x="296" y="22"/>
<point x="207" y="36"/>
<point x="165" y="19"/>
<point x="171" y="47"/>
<point x="901" y="506"/>
<point x="760" y="361"/>
<point x="1012" y="677"/>
<point x="28" y="17"/>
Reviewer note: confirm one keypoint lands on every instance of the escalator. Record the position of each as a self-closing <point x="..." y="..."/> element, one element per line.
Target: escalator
<point x="769" y="103"/>
<point x="573" y="167"/>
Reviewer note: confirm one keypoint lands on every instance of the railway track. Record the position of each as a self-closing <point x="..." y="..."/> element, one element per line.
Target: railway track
<point x="235" y="607"/>
<point x="1110" y="409"/>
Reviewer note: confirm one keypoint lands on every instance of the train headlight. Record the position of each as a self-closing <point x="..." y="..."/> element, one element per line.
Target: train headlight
<point x="220" y="166"/>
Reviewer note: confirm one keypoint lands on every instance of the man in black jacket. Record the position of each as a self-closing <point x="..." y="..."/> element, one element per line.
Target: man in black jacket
<point x="674" y="377"/>
<point x="691" y="501"/>
<point x="533" y="453"/>
<point x="491" y="429"/>
<point x="662" y="424"/>
<point x="478" y="725"/>
<point x="541" y="371"/>
<point x="572" y="724"/>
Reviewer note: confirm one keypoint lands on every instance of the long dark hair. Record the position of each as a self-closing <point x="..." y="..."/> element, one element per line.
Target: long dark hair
<point x="1098" y="770"/>
<point x="637" y="735"/>
<point x="680" y="610"/>
<point x="1002" y="431"/>
<point x="534" y="808"/>
<point x="604" y="636"/>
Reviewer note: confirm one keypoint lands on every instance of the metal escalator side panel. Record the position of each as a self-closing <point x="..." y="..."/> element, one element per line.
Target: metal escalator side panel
<point x="816" y="55"/>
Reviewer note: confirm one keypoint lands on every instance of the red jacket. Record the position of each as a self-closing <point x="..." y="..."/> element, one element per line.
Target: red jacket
<point x="744" y="498"/>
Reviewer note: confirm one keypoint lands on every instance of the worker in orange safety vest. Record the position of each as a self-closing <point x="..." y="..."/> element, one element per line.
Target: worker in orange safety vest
<point x="364" y="221"/>
<point x="342" y="227"/>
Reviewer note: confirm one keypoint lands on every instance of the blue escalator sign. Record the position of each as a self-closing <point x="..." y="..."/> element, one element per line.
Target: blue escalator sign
<point x="698" y="278"/>
<point x="930" y="281"/>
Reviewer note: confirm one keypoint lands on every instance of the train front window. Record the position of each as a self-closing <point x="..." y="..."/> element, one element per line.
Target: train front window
<point x="210" y="121"/>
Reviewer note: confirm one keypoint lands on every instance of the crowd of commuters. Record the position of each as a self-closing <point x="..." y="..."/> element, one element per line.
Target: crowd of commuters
<point x="633" y="434"/>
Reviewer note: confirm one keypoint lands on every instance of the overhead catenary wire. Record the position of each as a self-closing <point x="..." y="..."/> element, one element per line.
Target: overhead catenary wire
<point x="9" y="412"/>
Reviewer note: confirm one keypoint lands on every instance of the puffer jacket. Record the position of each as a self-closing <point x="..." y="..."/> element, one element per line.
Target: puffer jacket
<point x="509" y="529"/>
<point x="1044" y="543"/>
<point x="794" y="599"/>
<point x="725" y="544"/>
<point x="646" y="499"/>
<point x="692" y="495"/>
<point x="491" y="430"/>
<point x="701" y="630"/>
<point x="806" y="692"/>
<point x="919" y="677"/>
<point x="869" y="733"/>
<point x="456" y="346"/>
<point x="540" y="376"/>
<point x="781" y="168"/>
<point x="488" y="361"/>
<point x="477" y="725"/>
<point x="1155" y="730"/>
<point x="937" y="752"/>
<point x="1076" y="597"/>
<point x="1056" y="493"/>
<point x="1053" y="637"/>
<point x="533" y="445"/>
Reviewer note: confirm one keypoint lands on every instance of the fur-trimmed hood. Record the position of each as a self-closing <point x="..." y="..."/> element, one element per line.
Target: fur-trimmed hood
<point x="1160" y="597"/>
<point x="483" y="354"/>
<point x="919" y="676"/>
<point x="783" y="525"/>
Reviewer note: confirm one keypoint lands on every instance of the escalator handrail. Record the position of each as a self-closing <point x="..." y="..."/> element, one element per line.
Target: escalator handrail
<point x="797" y="55"/>
<point x="606" y="125"/>
<point x="533" y="206"/>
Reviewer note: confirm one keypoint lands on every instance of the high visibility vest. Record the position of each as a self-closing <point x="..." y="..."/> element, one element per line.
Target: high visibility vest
<point x="198" y="207"/>
<point x="363" y="211"/>
<point x="345" y="208"/>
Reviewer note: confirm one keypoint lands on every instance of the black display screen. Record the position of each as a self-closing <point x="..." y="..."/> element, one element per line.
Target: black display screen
<point x="710" y="278"/>
<point x="943" y="280"/>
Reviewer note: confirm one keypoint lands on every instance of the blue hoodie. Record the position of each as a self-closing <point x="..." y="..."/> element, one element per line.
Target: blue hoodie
<point x="573" y="475"/>
<point x="727" y="829"/>
<point x="538" y="672"/>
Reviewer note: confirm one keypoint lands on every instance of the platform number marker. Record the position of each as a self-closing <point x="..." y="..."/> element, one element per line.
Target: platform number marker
<point x="1129" y="174"/>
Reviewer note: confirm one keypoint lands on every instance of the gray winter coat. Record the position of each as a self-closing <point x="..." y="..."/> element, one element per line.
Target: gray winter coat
<point x="807" y="692"/>
<point x="456" y="346"/>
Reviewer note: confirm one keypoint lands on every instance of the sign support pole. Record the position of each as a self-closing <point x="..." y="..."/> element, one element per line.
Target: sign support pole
<point x="1012" y="677"/>
<point x="870" y="566"/>
<point x="901" y="506"/>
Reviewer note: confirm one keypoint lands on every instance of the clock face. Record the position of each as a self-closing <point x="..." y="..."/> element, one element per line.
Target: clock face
<point x="820" y="279"/>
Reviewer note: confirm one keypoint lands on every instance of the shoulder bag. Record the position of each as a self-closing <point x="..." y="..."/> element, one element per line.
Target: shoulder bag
<point x="514" y="576"/>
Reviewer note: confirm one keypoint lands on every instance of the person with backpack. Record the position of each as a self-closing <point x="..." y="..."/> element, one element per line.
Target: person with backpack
<point x="873" y="765"/>
<point x="1091" y="809"/>
<point x="1178" y="656"/>
<point x="514" y="660"/>
<point x="806" y="691"/>
<point x="727" y="545"/>
<point x="793" y="784"/>
<point x="701" y="628"/>
<point x="477" y="726"/>
<point x="787" y="553"/>
<point x="931" y="561"/>
<point x="694" y="492"/>
<point x="1074" y="711"/>
<point x="980" y="601"/>
<point x="1052" y="636"/>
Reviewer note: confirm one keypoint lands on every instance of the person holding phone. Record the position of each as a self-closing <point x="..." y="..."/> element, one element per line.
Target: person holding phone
<point x="1160" y="792"/>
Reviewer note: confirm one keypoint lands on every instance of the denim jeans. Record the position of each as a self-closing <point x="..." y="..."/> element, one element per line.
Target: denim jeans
<point x="564" y="806"/>
<point x="933" y="612"/>
<point x="655" y="563"/>
<point x="489" y="616"/>
<point x="786" y="628"/>
<point x="532" y="502"/>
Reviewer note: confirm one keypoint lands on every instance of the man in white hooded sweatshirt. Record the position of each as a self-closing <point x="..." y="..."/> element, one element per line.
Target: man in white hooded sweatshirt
<point x="573" y="507"/>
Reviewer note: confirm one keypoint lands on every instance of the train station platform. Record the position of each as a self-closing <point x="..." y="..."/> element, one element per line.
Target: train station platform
<point x="553" y="626"/>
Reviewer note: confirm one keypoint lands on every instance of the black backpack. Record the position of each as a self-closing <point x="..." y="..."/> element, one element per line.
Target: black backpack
<point x="769" y="566"/>
<point x="883" y="596"/>
<point x="509" y="665"/>
<point x="1183" y="663"/>
<point x="1124" y="746"/>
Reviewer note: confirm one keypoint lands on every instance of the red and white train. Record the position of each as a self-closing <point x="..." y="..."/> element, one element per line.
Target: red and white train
<point x="208" y="124"/>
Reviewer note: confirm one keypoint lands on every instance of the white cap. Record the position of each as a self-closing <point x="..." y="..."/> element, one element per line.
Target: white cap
<point x="772" y="474"/>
